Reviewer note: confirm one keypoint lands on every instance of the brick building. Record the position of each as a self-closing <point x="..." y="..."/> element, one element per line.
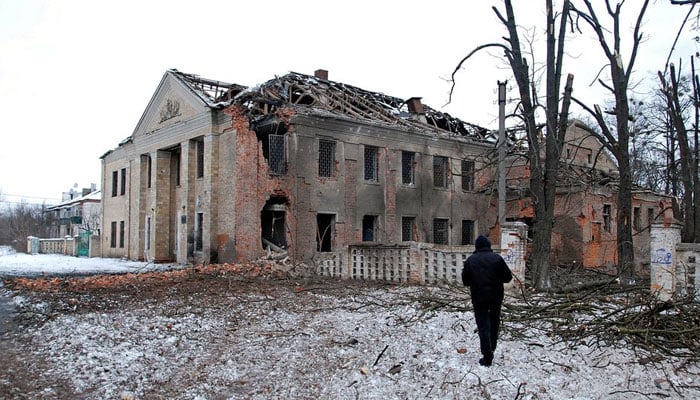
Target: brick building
<point x="585" y="215"/>
<point x="218" y="172"/>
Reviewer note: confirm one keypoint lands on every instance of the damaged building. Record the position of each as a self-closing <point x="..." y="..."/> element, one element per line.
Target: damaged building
<point x="307" y="167"/>
<point x="219" y="172"/>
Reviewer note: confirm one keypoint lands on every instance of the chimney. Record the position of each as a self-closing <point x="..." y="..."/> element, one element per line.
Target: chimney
<point x="321" y="74"/>
<point x="415" y="109"/>
<point x="415" y="106"/>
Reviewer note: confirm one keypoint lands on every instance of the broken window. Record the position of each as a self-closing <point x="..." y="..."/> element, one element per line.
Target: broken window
<point x="440" y="231"/>
<point x="198" y="228"/>
<point x="115" y="183"/>
<point x="467" y="175"/>
<point x="326" y="158"/>
<point x="123" y="189"/>
<point x="272" y="219"/>
<point x="324" y="232"/>
<point x="440" y="171"/>
<point x="113" y="235"/>
<point x="408" y="167"/>
<point x="371" y="164"/>
<point x="369" y="225"/>
<point x="467" y="232"/>
<point x="607" y="218"/>
<point x="408" y="229"/>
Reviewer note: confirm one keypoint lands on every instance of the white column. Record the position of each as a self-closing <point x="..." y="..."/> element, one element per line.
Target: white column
<point x="664" y="237"/>
<point x="513" y="249"/>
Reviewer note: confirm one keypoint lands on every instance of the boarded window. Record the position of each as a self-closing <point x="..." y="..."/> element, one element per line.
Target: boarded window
<point x="408" y="229"/>
<point x="369" y="223"/>
<point x="277" y="155"/>
<point x="440" y="231"/>
<point x="440" y="171"/>
<point x="408" y="168"/>
<point x="371" y="164"/>
<point x="467" y="231"/>
<point x="324" y="232"/>
<point x="467" y="175"/>
<point x="326" y="158"/>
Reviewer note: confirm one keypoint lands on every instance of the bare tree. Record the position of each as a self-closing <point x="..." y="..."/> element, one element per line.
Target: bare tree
<point x="617" y="138"/>
<point x="671" y="88"/>
<point x="22" y="220"/>
<point x="543" y="160"/>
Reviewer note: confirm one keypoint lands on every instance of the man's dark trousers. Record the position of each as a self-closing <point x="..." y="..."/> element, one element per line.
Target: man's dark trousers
<point x="488" y="321"/>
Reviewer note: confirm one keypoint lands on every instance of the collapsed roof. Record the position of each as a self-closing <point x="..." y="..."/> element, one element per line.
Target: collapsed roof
<point x="314" y="93"/>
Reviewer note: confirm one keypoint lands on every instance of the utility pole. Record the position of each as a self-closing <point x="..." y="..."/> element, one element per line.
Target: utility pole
<point x="501" y="153"/>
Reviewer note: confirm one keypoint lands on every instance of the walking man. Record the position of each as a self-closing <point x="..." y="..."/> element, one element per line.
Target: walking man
<point x="485" y="272"/>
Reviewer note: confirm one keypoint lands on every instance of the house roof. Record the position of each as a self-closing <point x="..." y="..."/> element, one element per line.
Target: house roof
<point x="93" y="197"/>
<point x="314" y="93"/>
<point x="215" y="94"/>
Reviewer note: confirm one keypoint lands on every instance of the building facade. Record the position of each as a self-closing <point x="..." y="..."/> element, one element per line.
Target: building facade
<point x="217" y="172"/>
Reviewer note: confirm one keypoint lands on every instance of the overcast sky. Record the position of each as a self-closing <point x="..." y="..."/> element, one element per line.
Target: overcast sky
<point x="75" y="76"/>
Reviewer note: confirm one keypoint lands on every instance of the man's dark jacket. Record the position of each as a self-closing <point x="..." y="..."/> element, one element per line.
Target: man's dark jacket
<point x="485" y="272"/>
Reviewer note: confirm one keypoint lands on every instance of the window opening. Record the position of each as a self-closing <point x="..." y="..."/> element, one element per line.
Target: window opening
<point x="115" y="183"/>
<point x="149" y="162"/>
<point x="408" y="167"/>
<point x="199" y="226"/>
<point x="277" y="159"/>
<point x="606" y="218"/>
<point x="467" y="175"/>
<point x="650" y="216"/>
<point x="123" y="189"/>
<point x="176" y="157"/>
<point x="440" y="171"/>
<point x="121" y="234"/>
<point x="637" y="218"/>
<point x="113" y="235"/>
<point x="200" y="158"/>
<point x="148" y="233"/>
<point x="272" y="219"/>
<point x="371" y="164"/>
<point x="369" y="223"/>
<point x="408" y="229"/>
<point x="324" y="232"/>
<point x="326" y="158"/>
<point x="440" y="231"/>
<point x="467" y="232"/>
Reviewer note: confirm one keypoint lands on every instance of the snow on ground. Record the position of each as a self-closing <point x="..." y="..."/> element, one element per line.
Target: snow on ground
<point x="284" y="341"/>
<point x="23" y="264"/>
